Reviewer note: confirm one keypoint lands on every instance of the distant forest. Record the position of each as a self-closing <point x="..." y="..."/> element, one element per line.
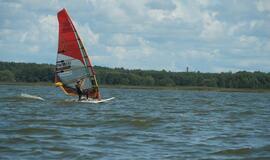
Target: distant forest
<point x="32" y="72"/>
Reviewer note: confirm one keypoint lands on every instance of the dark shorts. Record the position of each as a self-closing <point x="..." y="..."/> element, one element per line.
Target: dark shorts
<point x="79" y="91"/>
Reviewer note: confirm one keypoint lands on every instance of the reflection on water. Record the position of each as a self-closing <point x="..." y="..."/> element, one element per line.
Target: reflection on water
<point x="138" y="124"/>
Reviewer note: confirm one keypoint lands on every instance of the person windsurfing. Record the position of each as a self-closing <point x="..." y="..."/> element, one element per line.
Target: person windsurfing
<point x="78" y="86"/>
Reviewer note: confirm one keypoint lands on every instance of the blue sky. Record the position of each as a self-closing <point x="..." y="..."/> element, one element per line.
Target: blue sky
<point x="205" y="35"/>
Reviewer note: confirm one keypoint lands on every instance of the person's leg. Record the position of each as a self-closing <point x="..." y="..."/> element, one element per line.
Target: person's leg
<point x="85" y="93"/>
<point x="80" y="96"/>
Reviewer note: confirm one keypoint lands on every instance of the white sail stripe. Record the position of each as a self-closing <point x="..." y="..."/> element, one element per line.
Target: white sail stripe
<point x="75" y="80"/>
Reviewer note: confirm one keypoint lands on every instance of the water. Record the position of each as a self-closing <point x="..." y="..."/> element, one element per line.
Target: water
<point x="138" y="124"/>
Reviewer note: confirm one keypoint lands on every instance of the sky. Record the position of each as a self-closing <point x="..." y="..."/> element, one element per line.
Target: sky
<point x="204" y="35"/>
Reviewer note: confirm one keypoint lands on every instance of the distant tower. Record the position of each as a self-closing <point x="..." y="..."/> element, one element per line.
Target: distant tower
<point x="187" y="69"/>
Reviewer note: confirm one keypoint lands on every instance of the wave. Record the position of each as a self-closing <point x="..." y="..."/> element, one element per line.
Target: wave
<point x="137" y="122"/>
<point x="235" y="151"/>
<point x="33" y="130"/>
<point x="245" y="151"/>
<point x="24" y="95"/>
<point x="21" y="97"/>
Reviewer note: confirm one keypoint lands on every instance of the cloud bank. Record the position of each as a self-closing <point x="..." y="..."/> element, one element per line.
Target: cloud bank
<point x="205" y="35"/>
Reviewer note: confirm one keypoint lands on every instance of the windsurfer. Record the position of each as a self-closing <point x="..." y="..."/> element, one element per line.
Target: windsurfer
<point x="78" y="86"/>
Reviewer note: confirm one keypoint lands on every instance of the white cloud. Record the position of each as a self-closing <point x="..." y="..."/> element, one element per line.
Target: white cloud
<point x="263" y="5"/>
<point x="146" y="49"/>
<point x="192" y="13"/>
<point x="254" y="62"/>
<point x="48" y="26"/>
<point x="256" y="23"/>
<point x="250" y="44"/>
<point x="86" y="33"/>
<point x="212" y="28"/>
<point x="200" y="54"/>
<point x="5" y="32"/>
<point x="235" y="29"/>
<point x="266" y="46"/>
<point x="120" y="52"/>
<point x="126" y="52"/>
<point x="33" y="49"/>
<point x="123" y="39"/>
<point x="158" y="14"/>
<point x="110" y="9"/>
<point x="248" y="40"/>
<point x="15" y="6"/>
<point x="23" y="37"/>
<point x="204" y="2"/>
<point x="189" y="12"/>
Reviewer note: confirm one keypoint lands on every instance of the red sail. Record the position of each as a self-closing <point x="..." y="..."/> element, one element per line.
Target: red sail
<point x="68" y="44"/>
<point x="73" y="63"/>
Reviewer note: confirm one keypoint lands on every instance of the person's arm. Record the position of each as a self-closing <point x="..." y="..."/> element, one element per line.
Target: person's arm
<point x="83" y="81"/>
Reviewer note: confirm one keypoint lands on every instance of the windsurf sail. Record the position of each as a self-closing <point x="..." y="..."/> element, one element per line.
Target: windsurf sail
<point x="73" y="63"/>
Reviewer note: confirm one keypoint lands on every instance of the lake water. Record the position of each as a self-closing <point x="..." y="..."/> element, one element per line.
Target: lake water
<point x="138" y="124"/>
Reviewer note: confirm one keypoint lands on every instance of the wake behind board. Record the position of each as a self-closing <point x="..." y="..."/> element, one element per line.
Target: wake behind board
<point x="95" y="101"/>
<point x="24" y="95"/>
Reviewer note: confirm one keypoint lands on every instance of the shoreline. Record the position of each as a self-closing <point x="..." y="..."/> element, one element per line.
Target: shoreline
<point x="188" y="88"/>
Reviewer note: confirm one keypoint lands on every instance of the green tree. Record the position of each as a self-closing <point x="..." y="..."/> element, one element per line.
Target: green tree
<point x="7" y="76"/>
<point x="166" y="82"/>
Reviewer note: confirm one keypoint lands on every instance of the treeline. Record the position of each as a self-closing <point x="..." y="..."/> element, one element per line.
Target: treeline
<point x="26" y="72"/>
<point x="243" y="79"/>
<point x="31" y="72"/>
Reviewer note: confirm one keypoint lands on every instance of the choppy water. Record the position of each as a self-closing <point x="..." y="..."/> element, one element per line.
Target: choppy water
<point x="138" y="124"/>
